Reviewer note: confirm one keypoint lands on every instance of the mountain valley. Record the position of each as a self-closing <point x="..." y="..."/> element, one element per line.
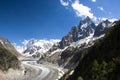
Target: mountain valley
<point x="54" y="59"/>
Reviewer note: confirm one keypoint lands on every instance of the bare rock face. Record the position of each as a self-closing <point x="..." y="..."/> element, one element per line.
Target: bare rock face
<point x="8" y="46"/>
<point x="101" y="57"/>
<point x="68" y="51"/>
<point x="8" y="60"/>
<point x="84" y="29"/>
<point x="102" y="27"/>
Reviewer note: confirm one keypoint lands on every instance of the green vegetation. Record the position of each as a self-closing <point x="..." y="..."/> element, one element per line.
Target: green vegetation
<point x="102" y="60"/>
<point x="101" y="71"/>
<point x="80" y="78"/>
<point x="7" y="60"/>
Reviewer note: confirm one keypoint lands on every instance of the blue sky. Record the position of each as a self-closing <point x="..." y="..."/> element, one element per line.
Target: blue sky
<point x="49" y="19"/>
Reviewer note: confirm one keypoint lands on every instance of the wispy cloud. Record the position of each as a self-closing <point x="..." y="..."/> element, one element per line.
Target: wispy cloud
<point x="64" y="3"/>
<point x="82" y="10"/>
<point x="93" y="0"/>
<point x="101" y="8"/>
<point x="110" y="19"/>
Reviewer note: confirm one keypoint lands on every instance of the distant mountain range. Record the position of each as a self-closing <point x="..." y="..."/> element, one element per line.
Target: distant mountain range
<point x="86" y="28"/>
<point x="65" y="52"/>
<point x="36" y="48"/>
<point x="91" y="50"/>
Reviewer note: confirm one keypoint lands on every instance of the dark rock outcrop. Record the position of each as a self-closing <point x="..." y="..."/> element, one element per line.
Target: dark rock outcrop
<point x="84" y="29"/>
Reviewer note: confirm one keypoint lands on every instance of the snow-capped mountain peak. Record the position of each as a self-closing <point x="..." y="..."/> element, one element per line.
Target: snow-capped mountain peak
<point x="84" y="29"/>
<point x="86" y="20"/>
<point x="36" y="47"/>
<point x="85" y="33"/>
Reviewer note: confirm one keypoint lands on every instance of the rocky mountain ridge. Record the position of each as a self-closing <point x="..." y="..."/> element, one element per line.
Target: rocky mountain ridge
<point x="102" y="60"/>
<point x="79" y="38"/>
<point x="85" y="28"/>
<point x="5" y="43"/>
<point x="66" y="51"/>
<point x="8" y="55"/>
<point x="36" y="48"/>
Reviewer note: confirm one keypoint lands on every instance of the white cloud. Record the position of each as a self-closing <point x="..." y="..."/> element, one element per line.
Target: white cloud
<point x="113" y="19"/>
<point x="93" y="0"/>
<point x="64" y="3"/>
<point x="100" y="19"/>
<point x="81" y="10"/>
<point x="110" y="19"/>
<point x="101" y="8"/>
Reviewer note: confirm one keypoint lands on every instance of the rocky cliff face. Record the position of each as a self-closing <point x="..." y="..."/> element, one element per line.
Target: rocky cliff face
<point x="68" y="51"/>
<point x="84" y="29"/>
<point x="8" y="55"/>
<point x="8" y="46"/>
<point x="102" y="60"/>
<point x="102" y="27"/>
